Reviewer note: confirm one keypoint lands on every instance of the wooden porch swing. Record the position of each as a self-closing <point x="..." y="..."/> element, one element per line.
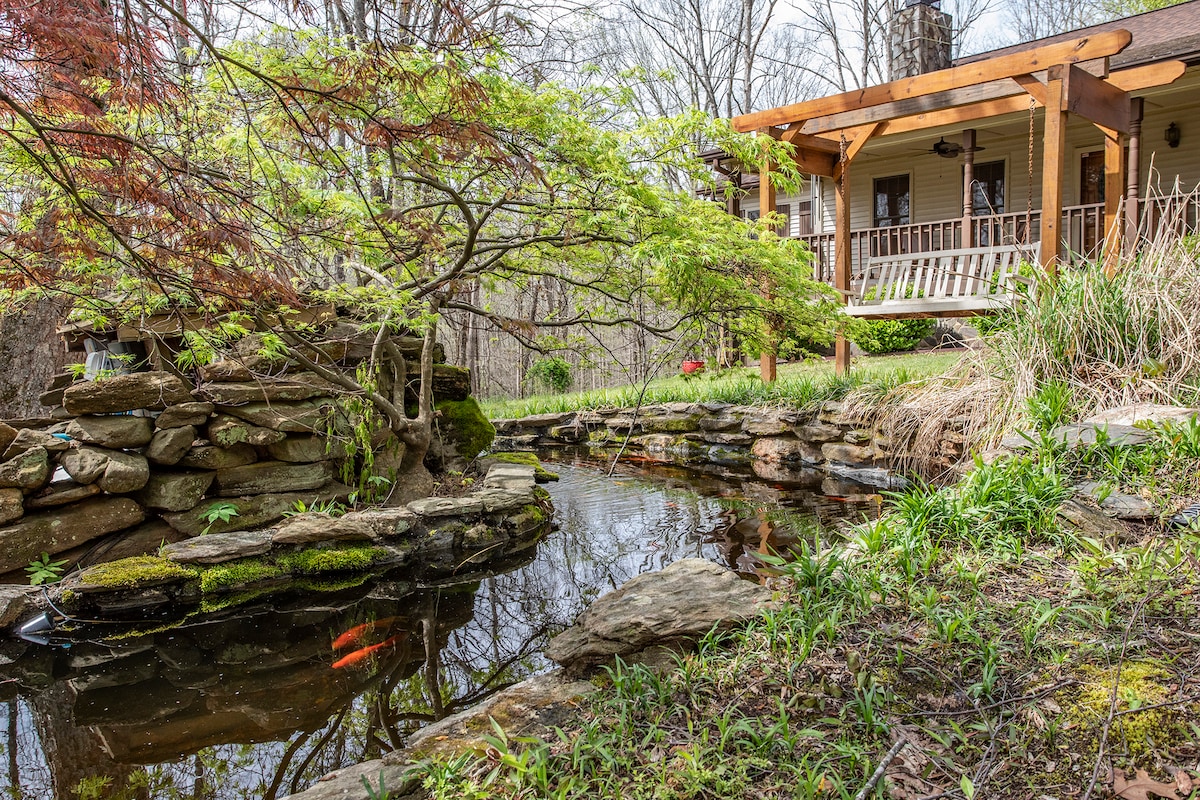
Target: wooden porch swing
<point x="829" y="132"/>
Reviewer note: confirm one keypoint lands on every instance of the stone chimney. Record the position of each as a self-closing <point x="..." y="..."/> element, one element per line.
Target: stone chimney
<point x="918" y="40"/>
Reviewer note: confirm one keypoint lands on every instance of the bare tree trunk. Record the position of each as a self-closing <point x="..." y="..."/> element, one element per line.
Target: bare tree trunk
<point x="31" y="350"/>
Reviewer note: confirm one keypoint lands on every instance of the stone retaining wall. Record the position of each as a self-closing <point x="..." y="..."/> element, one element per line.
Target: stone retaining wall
<point x="769" y="441"/>
<point x="127" y="463"/>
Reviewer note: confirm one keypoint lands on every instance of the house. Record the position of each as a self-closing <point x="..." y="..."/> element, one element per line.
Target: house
<point x="1065" y="146"/>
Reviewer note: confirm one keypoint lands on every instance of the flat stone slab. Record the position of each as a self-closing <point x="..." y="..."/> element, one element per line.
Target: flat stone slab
<point x="209" y="456"/>
<point x="152" y="390"/>
<point x="515" y="477"/>
<point x="1084" y="434"/>
<point x="194" y="414"/>
<point x="297" y="386"/>
<point x="319" y="527"/>
<point x="1118" y="504"/>
<point x="253" y="512"/>
<point x="446" y="506"/>
<point x="215" y="548"/>
<point x="116" y="431"/>
<point x="1090" y="521"/>
<point x="29" y="438"/>
<point x="266" y="477"/>
<point x="495" y="500"/>
<point x="684" y="601"/>
<point x="59" y="493"/>
<point x="306" y="416"/>
<point x="63" y="528"/>
<point x="1143" y="412"/>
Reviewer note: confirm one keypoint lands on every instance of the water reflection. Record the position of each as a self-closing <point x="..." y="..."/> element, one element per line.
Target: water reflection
<point x="259" y="702"/>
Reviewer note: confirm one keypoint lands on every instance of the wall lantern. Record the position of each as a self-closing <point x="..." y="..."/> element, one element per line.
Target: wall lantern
<point x="1172" y="135"/>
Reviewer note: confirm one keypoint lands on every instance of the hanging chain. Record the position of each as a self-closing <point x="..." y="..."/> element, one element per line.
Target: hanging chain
<point x="1029" y="199"/>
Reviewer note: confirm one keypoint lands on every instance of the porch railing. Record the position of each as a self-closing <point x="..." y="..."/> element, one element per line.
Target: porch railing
<point x="1082" y="226"/>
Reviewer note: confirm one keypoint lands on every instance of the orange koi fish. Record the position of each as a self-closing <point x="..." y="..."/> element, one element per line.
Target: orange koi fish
<point x="358" y="656"/>
<point x="356" y="634"/>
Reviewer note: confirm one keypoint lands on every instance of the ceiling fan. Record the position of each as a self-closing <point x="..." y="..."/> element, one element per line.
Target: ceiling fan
<point x="948" y="149"/>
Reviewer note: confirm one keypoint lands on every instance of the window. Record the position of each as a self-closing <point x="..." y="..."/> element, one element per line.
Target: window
<point x="891" y="201"/>
<point x="804" y="225"/>
<point x="987" y="189"/>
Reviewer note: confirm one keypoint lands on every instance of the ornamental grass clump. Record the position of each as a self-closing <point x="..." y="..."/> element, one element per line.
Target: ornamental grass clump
<point x="1098" y="340"/>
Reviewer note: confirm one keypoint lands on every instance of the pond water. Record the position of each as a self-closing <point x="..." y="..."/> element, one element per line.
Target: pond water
<point x="259" y="701"/>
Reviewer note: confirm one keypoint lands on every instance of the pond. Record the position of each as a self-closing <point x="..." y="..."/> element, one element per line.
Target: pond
<point x="259" y="701"/>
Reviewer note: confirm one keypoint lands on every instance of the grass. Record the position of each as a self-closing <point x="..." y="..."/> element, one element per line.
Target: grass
<point x="1015" y="656"/>
<point x="799" y="385"/>
<point x="1105" y="341"/>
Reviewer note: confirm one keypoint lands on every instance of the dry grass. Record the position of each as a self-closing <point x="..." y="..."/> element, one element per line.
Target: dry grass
<point x="1130" y="338"/>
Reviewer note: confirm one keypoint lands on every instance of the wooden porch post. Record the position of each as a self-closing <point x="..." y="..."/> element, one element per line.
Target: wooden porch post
<point x="1133" y="175"/>
<point x="841" y="256"/>
<point x="766" y="205"/>
<point x="968" y="230"/>
<point x="1114" y="181"/>
<point x="1054" y="141"/>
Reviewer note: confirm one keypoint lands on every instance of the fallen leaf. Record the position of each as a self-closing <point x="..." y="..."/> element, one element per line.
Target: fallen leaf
<point x="1142" y="786"/>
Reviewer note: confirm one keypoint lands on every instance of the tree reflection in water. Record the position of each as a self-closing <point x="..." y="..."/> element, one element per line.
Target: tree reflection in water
<point x="246" y="703"/>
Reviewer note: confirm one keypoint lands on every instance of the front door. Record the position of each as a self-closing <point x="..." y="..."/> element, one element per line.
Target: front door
<point x="1091" y="192"/>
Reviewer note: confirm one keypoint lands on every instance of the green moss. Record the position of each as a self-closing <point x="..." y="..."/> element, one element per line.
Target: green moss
<point x="220" y="602"/>
<point x="317" y="561"/>
<point x="130" y="573"/>
<point x="1141" y="685"/>
<point x="237" y="573"/>
<point x="464" y="423"/>
<point x="331" y="584"/>
<point x="540" y="473"/>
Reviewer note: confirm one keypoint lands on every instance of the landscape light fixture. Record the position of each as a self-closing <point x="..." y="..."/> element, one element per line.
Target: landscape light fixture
<point x="1172" y="135"/>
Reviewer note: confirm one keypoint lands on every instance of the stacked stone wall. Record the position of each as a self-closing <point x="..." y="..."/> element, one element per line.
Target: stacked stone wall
<point x="768" y="441"/>
<point x="128" y="463"/>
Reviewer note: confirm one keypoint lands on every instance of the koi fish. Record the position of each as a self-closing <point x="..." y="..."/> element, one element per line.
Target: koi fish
<point x="358" y="656"/>
<point x="356" y="634"/>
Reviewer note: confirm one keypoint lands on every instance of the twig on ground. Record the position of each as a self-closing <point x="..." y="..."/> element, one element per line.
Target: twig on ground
<point x="883" y="765"/>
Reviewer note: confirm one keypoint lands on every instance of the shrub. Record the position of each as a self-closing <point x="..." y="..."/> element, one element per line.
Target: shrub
<point x="890" y="335"/>
<point x="552" y="372"/>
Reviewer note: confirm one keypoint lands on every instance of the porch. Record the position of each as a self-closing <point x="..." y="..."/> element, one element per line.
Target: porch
<point x="1083" y="228"/>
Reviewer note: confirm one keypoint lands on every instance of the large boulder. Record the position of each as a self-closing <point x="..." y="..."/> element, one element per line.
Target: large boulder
<point x="266" y="477"/>
<point x="175" y="491"/>
<point x="63" y="528"/>
<point x="116" y="431"/>
<point x="681" y="603"/>
<point x="28" y="471"/>
<point x="152" y="390"/>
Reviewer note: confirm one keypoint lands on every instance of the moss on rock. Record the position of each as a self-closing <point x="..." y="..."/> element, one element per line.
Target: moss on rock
<point x="320" y="560"/>
<point x="540" y="473"/>
<point x="237" y="574"/>
<point x="132" y="573"/>
<point x="466" y="426"/>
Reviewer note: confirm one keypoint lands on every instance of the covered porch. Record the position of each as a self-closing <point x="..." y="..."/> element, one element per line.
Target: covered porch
<point x="1034" y="96"/>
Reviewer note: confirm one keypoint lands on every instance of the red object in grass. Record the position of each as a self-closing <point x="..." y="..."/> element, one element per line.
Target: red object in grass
<point x="690" y="366"/>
